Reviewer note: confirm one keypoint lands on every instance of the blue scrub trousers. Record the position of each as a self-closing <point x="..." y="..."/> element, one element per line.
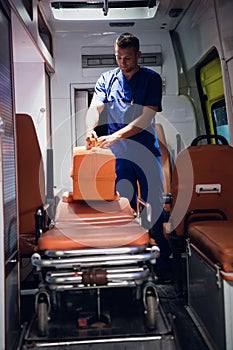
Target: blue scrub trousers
<point x="146" y="171"/>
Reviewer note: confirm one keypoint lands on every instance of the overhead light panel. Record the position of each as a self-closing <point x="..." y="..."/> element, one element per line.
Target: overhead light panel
<point x="104" y="10"/>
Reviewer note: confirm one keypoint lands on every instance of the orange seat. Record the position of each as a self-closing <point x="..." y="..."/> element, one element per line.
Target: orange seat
<point x="202" y="214"/>
<point x="215" y="240"/>
<point x="202" y="193"/>
<point x="31" y="181"/>
<point x="195" y="168"/>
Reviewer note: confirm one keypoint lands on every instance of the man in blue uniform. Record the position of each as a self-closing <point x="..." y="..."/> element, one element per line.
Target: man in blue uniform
<point x="131" y="95"/>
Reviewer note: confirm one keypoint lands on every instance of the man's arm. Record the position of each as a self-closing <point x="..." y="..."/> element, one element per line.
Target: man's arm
<point x="133" y="128"/>
<point x="92" y="117"/>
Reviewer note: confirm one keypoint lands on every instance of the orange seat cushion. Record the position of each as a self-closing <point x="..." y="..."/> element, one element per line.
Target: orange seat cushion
<point x="215" y="240"/>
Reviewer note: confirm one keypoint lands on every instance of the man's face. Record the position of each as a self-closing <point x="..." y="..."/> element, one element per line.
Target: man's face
<point x="127" y="59"/>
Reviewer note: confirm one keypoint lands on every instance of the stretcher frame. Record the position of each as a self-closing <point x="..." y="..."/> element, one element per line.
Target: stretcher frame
<point x="97" y="268"/>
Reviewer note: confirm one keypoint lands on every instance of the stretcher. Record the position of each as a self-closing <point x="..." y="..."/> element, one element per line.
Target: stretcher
<point x="95" y="244"/>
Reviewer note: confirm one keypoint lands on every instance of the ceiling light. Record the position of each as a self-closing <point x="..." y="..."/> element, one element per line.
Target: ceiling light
<point x="104" y="10"/>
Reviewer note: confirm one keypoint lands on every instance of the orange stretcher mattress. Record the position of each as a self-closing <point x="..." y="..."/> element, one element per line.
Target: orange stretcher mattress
<point x="69" y="235"/>
<point x="93" y="173"/>
<point x="93" y="224"/>
<point x="93" y="212"/>
<point x="215" y="240"/>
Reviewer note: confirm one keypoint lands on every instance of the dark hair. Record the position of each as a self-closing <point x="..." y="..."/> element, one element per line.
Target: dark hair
<point x="127" y="40"/>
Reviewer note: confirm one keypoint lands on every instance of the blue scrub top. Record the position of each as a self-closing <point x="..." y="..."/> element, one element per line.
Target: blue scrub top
<point x="124" y="101"/>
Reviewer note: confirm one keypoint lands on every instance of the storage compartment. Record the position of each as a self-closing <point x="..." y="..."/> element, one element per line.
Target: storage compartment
<point x="210" y="300"/>
<point x="93" y="174"/>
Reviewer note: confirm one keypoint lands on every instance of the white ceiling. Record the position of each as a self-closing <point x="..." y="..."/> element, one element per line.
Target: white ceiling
<point x="25" y="50"/>
<point x="162" y="19"/>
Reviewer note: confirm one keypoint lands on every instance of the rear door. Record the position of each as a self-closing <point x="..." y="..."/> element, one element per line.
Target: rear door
<point x="211" y="89"/>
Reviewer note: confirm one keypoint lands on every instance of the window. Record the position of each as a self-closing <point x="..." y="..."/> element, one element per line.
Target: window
<point x="44" y="33"/>
<point x="220" y="119"/>
<point x="211" y="91"/>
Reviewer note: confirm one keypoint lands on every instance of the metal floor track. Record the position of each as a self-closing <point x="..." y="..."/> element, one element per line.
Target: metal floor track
<point x="127" y="331"/>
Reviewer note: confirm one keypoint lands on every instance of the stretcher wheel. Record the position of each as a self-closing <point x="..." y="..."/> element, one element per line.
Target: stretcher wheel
<point x="42" y="314"/>
<point x="151" y="312"/>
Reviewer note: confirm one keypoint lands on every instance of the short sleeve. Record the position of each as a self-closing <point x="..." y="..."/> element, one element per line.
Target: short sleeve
<point x="154" y="92"/>
<point x="100" y="90"/>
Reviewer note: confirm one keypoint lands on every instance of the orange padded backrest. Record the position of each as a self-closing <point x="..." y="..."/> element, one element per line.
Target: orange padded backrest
<point x="203" y="167"/>
<point x="31" y="180"/>
<point x="166" y="162"/>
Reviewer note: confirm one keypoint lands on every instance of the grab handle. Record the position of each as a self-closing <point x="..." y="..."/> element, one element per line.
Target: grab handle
<point x="209" y="137"/>
<point x="91" y="142"/>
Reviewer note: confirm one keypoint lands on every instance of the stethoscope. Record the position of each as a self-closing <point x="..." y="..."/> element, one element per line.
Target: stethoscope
<point x="120" y="100"/>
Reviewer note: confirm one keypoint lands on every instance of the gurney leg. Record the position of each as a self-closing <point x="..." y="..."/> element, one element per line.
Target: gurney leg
<point x="102" y="316"/>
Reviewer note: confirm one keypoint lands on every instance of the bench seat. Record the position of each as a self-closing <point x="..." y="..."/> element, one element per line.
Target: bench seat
<point x="215" y="240"/>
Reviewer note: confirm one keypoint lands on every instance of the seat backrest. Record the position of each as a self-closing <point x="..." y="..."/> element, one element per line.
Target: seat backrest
<point x="30" y="169"/>
<point x="202" y="179"/>
<point x="166" y="162"/>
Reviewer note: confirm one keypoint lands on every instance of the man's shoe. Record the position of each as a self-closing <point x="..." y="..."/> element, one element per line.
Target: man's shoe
<point x="164" y="276"/>
<point x="163" y="270"/>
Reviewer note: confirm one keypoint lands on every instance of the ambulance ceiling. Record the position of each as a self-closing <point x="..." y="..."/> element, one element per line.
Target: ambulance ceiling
<point x="79" y="15"/>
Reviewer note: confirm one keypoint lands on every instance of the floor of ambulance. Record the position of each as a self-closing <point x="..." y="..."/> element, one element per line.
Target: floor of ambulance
<point x="121" y="326"/>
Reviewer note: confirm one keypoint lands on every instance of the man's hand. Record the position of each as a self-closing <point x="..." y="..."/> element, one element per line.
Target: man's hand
<point x="91" y="139"/>
<point x="91" y="134"/>
<point x="107" y="141"/>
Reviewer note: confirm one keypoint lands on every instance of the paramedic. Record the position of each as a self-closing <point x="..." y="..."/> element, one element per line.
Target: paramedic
<point x="131" y="95"/>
